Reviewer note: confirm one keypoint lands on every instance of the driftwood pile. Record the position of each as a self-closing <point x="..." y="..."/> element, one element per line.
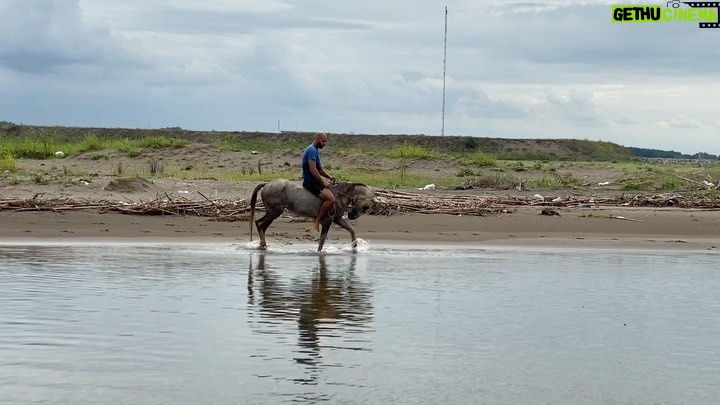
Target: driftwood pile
<point x="391" y="202"/>
<point x="221" y="210"/>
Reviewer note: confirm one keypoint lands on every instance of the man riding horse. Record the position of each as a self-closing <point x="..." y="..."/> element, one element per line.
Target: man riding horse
<point x="279" y="195"/>
<point x="313" y="174"/>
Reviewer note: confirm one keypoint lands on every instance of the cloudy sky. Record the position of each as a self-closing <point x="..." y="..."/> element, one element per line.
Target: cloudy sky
<point x="548" y="69"/>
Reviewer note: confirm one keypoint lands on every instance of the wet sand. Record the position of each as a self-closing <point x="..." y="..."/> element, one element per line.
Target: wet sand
<point x="644" y="228"/>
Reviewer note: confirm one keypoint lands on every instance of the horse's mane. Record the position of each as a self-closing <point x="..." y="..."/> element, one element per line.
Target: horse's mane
<point x="346" y="186"/>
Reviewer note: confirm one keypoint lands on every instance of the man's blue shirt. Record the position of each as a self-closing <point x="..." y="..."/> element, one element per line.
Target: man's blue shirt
<point x="311" y="153"/>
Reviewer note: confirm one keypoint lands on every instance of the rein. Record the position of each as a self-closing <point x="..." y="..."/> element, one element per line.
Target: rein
<point x="353" y="199"/>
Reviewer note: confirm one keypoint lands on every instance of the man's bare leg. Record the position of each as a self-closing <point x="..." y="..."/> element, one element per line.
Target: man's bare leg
<point x="328" y="201"/>
<point x="324" y="208"/>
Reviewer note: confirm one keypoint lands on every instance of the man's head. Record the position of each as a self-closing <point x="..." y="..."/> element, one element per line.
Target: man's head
<point x="320" y="140"/>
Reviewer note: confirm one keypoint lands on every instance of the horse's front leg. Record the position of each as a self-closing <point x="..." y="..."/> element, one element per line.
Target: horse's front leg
<point x="323" y="234"/>
<point x="342" y="222"/>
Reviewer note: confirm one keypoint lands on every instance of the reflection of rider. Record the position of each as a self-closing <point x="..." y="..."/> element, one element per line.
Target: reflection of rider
<point x="313" y="174"/>
<point x="317" y="304"/>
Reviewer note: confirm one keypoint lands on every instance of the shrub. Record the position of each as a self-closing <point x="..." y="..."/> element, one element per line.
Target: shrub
<point x="483" y="159"/>
<point x="635" y="184"/>
<point x="90" y="142"/>
<point x="7" y="161"/>
<point x="413" y="152"/>
<point x="464" y="172"/>
<point x="470" y="143"/>
<point x="159" y="142"/>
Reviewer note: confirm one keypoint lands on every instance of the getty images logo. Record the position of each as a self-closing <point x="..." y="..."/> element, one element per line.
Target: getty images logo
<point x="704" y="13"/>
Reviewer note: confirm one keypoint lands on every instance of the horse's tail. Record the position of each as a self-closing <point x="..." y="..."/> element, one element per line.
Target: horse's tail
<point x="253" y="201"/>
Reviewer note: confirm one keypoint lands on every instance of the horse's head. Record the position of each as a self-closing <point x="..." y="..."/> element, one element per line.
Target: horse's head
<point x="362" y="198"/>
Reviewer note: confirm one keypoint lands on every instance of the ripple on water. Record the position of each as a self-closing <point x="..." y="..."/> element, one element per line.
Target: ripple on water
<point x="388" y="324"/>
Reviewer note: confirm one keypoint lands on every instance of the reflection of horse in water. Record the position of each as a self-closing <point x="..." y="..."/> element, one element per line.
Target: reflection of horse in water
<point x="324" y="305"/>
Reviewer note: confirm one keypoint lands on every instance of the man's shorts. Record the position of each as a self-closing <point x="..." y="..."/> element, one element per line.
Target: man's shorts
<point x="314" y="188"/>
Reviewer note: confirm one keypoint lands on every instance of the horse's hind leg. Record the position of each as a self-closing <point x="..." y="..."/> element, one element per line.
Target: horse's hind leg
<point x="263" y="224"/>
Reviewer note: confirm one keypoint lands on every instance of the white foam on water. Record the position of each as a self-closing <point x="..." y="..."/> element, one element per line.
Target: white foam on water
<point x="362" y="245"/>
<point x="254" y="245"/>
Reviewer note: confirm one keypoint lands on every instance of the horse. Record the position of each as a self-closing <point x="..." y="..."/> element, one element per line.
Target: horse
<point x="281" y="194"/>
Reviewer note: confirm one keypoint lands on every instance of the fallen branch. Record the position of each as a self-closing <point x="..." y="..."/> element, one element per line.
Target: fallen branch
<point x="625" y="218"/>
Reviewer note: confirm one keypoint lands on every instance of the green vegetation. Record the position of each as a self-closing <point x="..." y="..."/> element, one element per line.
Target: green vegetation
<point x="45" y="146"/>
<point x="409" y="152"/>
<point x="74" y="172"/>
<point x="495" y="181"/>
<point x="386" y="161"/>
<point x="635" y="184"/>
<point x="482" y="159"/>
<point x="7" y="161"/>
<point x="160" y="142"/>
<point x="38" y="177"/>
<point x="470" y="143"/>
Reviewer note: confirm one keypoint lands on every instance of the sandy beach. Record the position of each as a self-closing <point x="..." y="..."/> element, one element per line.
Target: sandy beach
<point x="606" y="227"/>
<point x="596" y="225"/>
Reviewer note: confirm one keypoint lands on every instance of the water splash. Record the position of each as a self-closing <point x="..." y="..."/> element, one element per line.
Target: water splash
<point x="254" y="245"/>
<point x="362" y="245"/>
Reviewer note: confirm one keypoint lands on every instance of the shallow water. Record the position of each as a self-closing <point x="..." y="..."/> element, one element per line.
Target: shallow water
<point x="189" y="324"/>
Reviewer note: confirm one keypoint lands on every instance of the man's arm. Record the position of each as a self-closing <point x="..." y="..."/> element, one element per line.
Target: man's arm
<point x="325" y="174"/>
<point x="318" y="172"/>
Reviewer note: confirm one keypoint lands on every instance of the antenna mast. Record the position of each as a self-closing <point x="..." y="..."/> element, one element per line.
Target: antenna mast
<point x="442" y="130"/>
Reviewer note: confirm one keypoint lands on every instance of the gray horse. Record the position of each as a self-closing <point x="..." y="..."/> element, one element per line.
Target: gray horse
<point x="278" y="195"/>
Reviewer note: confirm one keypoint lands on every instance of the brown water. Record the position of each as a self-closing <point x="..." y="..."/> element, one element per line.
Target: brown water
<point x="215" y="324"/>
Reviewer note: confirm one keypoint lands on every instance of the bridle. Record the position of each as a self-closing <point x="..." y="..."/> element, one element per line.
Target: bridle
<point x="353" y="198"/>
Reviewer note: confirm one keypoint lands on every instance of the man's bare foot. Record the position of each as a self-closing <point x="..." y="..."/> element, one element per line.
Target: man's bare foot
<point x="316" y="223"/>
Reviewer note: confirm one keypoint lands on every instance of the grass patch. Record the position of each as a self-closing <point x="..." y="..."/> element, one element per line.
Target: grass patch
<point x="75" y="172"/>
<point x="160" y="142"/>
<point x="91" y="142"/>
<point x="38" y="177"/>
<point x="465" y="172"/>
<point x="557" y="180"/>
<point x="30" y="148"/>
<point x="671" y="183"/>
<point x="545" y="182"/>
<point x="482" y="159"/>
<point x="410" y="152"/>
<point x="494" y="181"/>
<point x="635" y="184"/>
<point x="7" y="161"/>
<point x="43" y="146"/>
<point x="156" y="166"/>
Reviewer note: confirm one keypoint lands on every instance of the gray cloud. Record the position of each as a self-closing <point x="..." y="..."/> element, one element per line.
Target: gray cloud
<point x="680" y="121"/>
<point x="39" y="35"/>
<point x="541" y="69"/>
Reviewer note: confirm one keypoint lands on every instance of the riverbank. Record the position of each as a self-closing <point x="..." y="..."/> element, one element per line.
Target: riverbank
<point x="606" y="227"/>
